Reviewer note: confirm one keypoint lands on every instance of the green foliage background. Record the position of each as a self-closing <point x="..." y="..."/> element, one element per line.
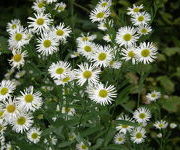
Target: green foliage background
<point x="165" y="72"/>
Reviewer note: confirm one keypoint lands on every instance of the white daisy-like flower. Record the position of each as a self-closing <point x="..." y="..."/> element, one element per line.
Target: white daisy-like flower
<point x="82" y="146"/>
<point x="61" y="32"/>
<point x="50" y="1"/>
<point x="59" y="69"/>
<point x="39" y="6"/>
<point x="40" y="22"/>
<point x="13" y="25"/>
<point x="141" y="18"/>
<point x="124" y="128"/>
<point x="11" y="110"/>
<point x="99" y="14"/>
<point x="47" y="44"/>
<point x="102" y="56"/>
<point x="87" y="48"/>
<point x="18" y="38"/>
<point x="86" y="37"/>
<point x="115" y="64"/>
<point x="129" y="53"/>
<point x="135" y="9"/>
<point x="146" y="52"/>
<point x="142" y="115"/>
<point x="22" y="122"/>
<point x="71" y="136"/>
<point x="70" y="76"/>
<point x="7" y="87"/>
<point x="119" y="138"/>
<point x="75" y="54"/>
<point x="138" y="135"/>
<point x="18" y="58"/>
<point x="87" y="72"/>
<point x="126" y="36"/>
<point x="107" y="38"/>
<point x="104" y="3"/>
<point x="68" y="111"/>
<point x="160" y="124"/>
<point x="29" y="100"/>
<point x="144" y="29"/>
<point x="60" y="7"/>
<point x="173" y="125"/>
<point x="153" y="96"/>
<point x="34" y="135"/>
<point x="159" y="135"/>
<point x="102" y="94"/>
<point x="3" y="126"/>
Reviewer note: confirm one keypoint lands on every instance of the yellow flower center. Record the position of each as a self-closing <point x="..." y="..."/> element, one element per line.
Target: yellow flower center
<point x="85" y="38"/>
<point x="18" y="37"/>
<point x="67" y="109"/>
<point x="40" y="21"/>
<point x="47" y="43"/>
<point x="131" y="54"/>
<point x="161" y="125"/>
<point x="34" y="135"/>
<point x="59" y="32"/>
<point x="125" y="126"/>
<point x="41" y="4"/>
<point x="66" y="79"/>
<point x="138" y="135"/>
<point x="144" y="30"/>
<point x="84" y="147"/>
<point x="120" y="139"/>
<point x="60" y="8"/>
<point x="59" y="70"/>
<point x="142" y="115"/>
<point x="153" y="95"/>
<point x="141" y="18"/>
<point x="29" y="98"/>
<point x="21" y="120"/>
<point x="103" y="93"/>
<point x="17" y="57"/>
<point x="136" y="10"/>
<point x="4" y="91"/>
<point x="100" y="15"/>
<point x="145" y="52"/>
<point x="102" y="56"/>
<point x="127" y="37"/>
<point x="104" y="4"/>
<point x="87" y="48"/>
<point x="10" y="108"/>
<point x="87" y="74"/>
<point x="14" y="26"/>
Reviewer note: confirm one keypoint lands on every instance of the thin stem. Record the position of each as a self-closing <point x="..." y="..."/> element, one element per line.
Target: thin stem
<point x="83" y="8"/>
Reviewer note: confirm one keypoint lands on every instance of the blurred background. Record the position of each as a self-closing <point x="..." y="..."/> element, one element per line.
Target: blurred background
<point x="165" y="73"/>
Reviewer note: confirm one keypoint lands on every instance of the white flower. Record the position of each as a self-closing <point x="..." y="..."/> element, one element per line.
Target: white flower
<point x="144" y="29"/>
<point x="7" y="87"/>
<point x="173" y="125"/>
<point x="61" y="32"/>
<point x="124" y="128"/>
<point x="102" y="94"/>
<point x="22" y="122"/>
<point x="146" y="52"/>
<point x="104" y="3"/>
<point x="11" y="110"/>
<point x="87" y="72"/>
<point x="107" y="38"/>
<point x="71" y="136"/>
<point x="18" y="58"/>
<point x="99" y="14"/>
<point x="160" y="124"/>
<point x="82" y="146"/>
<point x="60" y="7"/>
<point x="29" y="100"/>
<point x="34" y="135"/>
<point x="153" y="96"/>
<point x="126" y="36"/>
<point x="3" y="126"/>
<point x="138" y="135"/>
<point x="50" y="1"/>
<point x="134" y="10"/>
<point x="40" y="23"/>
<point x="47" y="44"/>
<point x="19" y="38"/>
<point x="86" y="48"/>
<point x="13" y="25"/>
<point x="141" y="18"/>
<point x="142" y="115"/>
<point x="102" y="56"/>
<point x="129" y="53"/>
<point x="85" y="37"/>
<point x="59" y="69"/>
<point x="159" y="135"/>
<point x="115" y="64"/>
<point x="68" y="110"/>
<point x="119" y="138"/>
<point x="39" y="6"/>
